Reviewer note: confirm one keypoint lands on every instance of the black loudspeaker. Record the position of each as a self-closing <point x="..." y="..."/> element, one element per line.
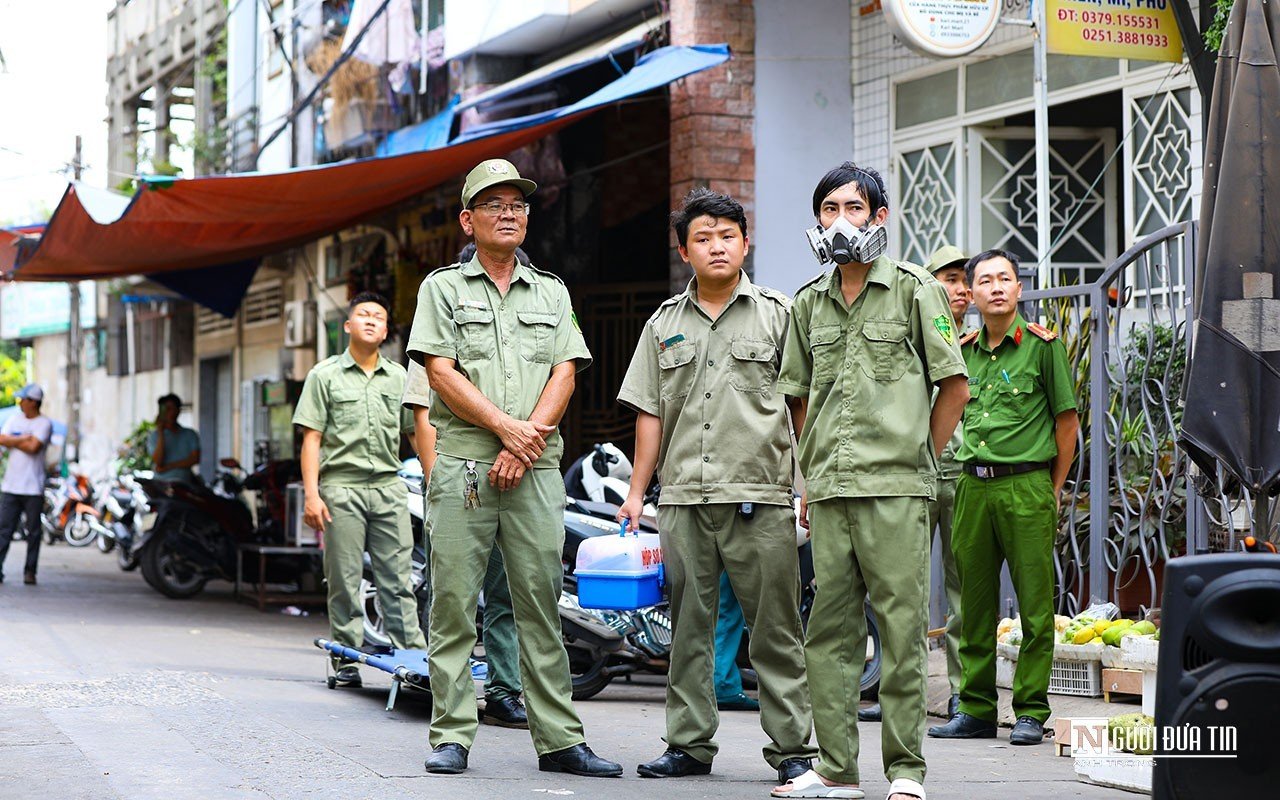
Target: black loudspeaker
<point x="1219" y="669"/>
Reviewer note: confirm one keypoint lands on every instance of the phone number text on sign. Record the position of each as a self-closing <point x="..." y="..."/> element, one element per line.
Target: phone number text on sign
<point x="1138" y="29"/>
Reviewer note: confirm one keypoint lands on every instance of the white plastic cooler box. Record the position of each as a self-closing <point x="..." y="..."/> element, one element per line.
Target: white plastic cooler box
<point x="620" y="573"/>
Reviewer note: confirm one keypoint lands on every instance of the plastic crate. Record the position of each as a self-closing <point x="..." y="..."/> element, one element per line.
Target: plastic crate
<point x="1076" y="678"/>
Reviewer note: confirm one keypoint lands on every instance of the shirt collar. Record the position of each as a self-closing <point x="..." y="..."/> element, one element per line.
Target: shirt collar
<point x="474" y="268"/>
<point x="881" y="273"/>
<point x="744" y="288"/>
<point x="1015" y="333"/>
<point x="346" y="361"/>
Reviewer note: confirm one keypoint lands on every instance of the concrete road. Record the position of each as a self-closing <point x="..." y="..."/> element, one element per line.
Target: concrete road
<point x="109" y="690"/>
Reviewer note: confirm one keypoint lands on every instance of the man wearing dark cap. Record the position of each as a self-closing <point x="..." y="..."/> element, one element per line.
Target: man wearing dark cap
<point x="501" y="347"/>
<point x="26" y="435"/>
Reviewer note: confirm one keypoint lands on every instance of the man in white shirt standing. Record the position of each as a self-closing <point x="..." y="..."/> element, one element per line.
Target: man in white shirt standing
<point x="26" y="435"/>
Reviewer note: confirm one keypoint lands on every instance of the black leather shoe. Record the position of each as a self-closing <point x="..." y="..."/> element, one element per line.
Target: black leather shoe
<point x="963" y="726"/>
<point x="1027" y="731"/>
<point x="348" y="676"/>
<point x="673" y="764"/>
<point x="505" y="712"/>
<point x="449" y="758"/>
<point x="953" y="706"/>
<point x="579" y="760"/>
<point x="793" y="768"/>
<point x="869" y="714"/>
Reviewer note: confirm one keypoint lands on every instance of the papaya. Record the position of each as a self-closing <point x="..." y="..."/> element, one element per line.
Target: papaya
<point x="1145" y="627"/>
<point x="1084" y="636"/>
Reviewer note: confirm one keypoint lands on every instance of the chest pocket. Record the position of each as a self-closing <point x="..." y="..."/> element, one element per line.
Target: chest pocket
<point x="476" y="338"/>
<point x="389" y="411"/>
<point x="347" y="406"/>
<point x="824" y="346"/>
<point x="752" y="367"/>
<point x="887" y="353"/>
<point x="676" y="365"/>
<point x="1016" y="397"/>
<point x="537" y="332"/>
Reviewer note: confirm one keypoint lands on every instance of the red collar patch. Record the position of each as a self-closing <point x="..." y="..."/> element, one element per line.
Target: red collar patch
<point x="1017" y="335"/>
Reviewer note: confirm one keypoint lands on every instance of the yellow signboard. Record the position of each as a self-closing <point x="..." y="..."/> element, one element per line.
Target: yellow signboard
<point x="1144" y="30"/>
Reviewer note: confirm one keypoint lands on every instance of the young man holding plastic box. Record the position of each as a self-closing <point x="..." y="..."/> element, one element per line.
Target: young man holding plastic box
<point x="711" y="421"/>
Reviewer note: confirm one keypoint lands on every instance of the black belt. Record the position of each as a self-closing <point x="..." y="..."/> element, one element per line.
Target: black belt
<point x="986" y="471"/>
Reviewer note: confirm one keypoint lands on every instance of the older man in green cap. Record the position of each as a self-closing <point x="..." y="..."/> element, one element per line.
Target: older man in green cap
<point x="501" y="347"/>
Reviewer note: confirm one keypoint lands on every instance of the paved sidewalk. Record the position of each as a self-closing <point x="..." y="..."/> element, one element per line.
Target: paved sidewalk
<point x="108" y="690"/>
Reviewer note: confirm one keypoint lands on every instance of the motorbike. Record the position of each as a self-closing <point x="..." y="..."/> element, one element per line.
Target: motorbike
<point x="122" y="508"/>
<point x="198" y="528"/>
<point x="67" y="502"/>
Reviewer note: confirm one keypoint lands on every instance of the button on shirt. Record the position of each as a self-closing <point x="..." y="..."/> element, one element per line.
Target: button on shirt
<point x="712" y="383"/>
<point x="868" y="371"/>
<point x="359" y="417"/>
<point x="1015" y="392"/>
<point x="25" y="473"/>
<point x="506" y="346"/>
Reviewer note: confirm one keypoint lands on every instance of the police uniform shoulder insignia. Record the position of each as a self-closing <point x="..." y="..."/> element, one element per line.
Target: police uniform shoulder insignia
<point x="969" y="337"/>
<point x="942" y="323"/>
<point x="1042" y="331"/>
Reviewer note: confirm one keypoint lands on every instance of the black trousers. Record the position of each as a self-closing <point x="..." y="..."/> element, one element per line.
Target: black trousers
<point x="11" y="506"/>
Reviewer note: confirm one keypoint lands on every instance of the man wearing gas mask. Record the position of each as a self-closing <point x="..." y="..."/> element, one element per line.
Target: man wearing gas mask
<point x="868" y="341"/>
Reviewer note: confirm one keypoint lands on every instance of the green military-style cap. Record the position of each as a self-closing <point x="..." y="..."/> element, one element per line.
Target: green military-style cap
<point x="946" y="256"/>
<point x="493" y="172"/>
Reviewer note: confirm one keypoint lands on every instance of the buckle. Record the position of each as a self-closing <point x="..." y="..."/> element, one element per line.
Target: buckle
<point x="984" y="472"/>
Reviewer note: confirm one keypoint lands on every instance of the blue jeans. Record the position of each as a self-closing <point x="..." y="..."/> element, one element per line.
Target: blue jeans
<point x="729" y="627"/>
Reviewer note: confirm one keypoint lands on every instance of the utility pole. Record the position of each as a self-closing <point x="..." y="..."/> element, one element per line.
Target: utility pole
<point x="73" y="349"/>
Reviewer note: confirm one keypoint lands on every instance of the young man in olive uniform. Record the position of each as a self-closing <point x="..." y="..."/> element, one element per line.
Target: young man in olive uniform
<point x="352" y="422"/>
<point x="501" y="347"/>
<point x="867" y="343"/>
<point x="947" y="266"/>
<point x="1019" y="440"/>
<point x="702" y="381"/>
<point x="502" y="704"/>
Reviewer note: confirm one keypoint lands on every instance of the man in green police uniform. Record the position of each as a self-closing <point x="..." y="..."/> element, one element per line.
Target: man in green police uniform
<point x="1019" y="440"/>
<point x="867" y="343"/>
<point x="947" y="266"/>
<point x="709" y="417"/>
<point x="501" y="347"/>
<point x="352" y="423"/>
<point x="502" y="704"/>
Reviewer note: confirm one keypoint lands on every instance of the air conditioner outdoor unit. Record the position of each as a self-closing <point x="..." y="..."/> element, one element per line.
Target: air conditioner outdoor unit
<point x="299" y="323"/>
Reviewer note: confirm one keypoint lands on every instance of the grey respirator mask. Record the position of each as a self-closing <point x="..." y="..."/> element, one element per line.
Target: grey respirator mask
<point x="843" y="243"/>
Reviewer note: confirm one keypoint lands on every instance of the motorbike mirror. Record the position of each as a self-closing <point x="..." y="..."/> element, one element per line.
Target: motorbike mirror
<point x="230" y="463"/>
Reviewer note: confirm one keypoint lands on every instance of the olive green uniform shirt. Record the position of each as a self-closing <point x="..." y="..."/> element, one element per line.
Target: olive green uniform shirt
<point x="868" y="372"/>
<point x="506" y="346"/>
<point x="712" y="384"/>
<point x="359" y="418"/>
<point x="1015" y="392"/>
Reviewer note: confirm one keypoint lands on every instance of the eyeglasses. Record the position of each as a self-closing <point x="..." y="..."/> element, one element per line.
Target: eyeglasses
<point x="496" y="208"/>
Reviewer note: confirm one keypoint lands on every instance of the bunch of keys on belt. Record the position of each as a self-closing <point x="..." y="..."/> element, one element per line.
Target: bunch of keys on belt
<point x="471" y="489"/>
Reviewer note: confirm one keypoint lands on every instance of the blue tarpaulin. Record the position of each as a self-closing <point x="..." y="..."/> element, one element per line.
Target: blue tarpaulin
<point x="653" y="71"/>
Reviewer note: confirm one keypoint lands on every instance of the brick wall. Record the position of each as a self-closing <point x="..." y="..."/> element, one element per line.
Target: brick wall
<point x="713" y="112"/>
